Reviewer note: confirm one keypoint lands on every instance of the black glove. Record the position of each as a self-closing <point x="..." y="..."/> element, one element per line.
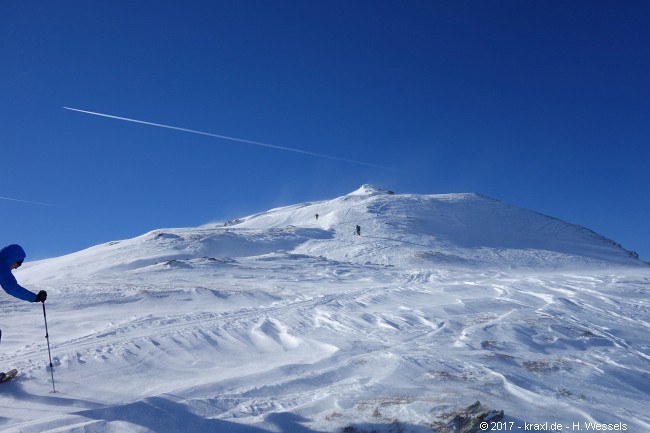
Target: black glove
<point x="41" y="297"/>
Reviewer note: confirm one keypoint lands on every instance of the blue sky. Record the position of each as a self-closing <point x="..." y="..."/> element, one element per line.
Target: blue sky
<point x="541" y="104"/>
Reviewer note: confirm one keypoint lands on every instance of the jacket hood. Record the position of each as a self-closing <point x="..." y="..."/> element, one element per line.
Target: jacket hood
<point x="12" y="254"/>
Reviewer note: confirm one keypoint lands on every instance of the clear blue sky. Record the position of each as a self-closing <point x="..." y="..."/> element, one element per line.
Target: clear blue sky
<point x="542" y="104"/>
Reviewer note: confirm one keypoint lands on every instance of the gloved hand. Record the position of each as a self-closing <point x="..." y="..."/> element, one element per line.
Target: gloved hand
<point x="41" y="296"/>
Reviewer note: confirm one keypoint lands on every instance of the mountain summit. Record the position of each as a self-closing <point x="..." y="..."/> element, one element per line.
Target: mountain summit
<point x="401" y="230"/>
<point x="439" y="230"/>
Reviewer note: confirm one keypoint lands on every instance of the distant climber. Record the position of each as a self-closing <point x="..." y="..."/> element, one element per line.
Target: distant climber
<point x="358" y="230"/>
<point x="316" y="217"/>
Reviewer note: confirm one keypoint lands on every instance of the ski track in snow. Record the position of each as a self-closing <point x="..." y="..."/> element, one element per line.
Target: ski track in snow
<point x="310" y="331"/>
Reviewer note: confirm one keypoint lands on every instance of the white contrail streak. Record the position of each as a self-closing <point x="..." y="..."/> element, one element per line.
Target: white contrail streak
<point x="224" y="137"/>
<point x="27" y="201"/>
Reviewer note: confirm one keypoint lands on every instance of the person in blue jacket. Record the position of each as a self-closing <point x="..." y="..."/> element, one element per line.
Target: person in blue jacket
<point x="11" y="257"/>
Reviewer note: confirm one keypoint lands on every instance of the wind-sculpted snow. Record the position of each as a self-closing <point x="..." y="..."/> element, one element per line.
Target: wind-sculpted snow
<point x="284" y="323"/>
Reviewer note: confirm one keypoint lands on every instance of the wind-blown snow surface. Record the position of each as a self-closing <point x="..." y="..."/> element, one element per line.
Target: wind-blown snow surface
<point x="281" y="322"/>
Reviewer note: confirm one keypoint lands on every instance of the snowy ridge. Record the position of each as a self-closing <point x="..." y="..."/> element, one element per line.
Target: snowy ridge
<point x="398" y="230"/>
<point x="281" y="322"/>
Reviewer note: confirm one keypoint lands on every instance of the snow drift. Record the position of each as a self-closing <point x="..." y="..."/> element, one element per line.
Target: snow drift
<point x="287" y="322"/>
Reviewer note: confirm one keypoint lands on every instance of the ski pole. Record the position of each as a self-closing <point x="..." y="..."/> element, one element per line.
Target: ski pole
<point x="47" y="337"/>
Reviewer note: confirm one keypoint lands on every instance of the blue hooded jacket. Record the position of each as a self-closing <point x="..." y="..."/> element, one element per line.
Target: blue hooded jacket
<point x="8" y="256"/>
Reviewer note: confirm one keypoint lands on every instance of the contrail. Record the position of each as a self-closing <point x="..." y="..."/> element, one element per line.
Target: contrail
<point x="27" y="201"/>
<point x="224" y="137"/>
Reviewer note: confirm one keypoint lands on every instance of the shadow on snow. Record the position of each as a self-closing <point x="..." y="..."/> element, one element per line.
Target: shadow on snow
<point x="161" y="415"/>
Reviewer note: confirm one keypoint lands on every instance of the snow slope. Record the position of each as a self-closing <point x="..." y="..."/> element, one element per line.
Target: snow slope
<point x="282" y="322"/>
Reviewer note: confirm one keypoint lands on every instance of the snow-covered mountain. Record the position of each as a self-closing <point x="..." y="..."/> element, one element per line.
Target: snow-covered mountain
<point x="405" y="231"/>
<point x="287" y="322"/>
